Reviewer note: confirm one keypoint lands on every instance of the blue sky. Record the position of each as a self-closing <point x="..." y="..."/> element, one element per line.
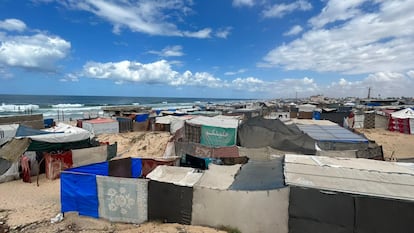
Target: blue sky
<point x="214" y="48"/>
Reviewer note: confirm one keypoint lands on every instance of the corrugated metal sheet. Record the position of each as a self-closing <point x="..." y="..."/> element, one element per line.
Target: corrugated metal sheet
<point x="332" y="133"/>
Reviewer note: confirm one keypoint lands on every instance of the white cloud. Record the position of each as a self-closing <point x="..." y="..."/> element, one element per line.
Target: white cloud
<point x="337" y="10"/>
<point x="37" y="52"/>
<point x="145" y="16"/>
<point x="280" y="10"/>
<point x="384" y="84"/>
<point x="223" y="32"/>
<point x="239" y="3"/>
<point x="366" y="43"/>
<point x="169" y="51"/>
<point x="204" y="33"/>
<point x="12" y="25"/>
<point x="293" y="31"/>
<point x="70" y="78"/>
<point x="159" y="72"/>
<point x="240" y="71"/>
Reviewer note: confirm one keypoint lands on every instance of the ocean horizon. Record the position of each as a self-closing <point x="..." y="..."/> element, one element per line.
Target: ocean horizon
<point x="77" y="107"/>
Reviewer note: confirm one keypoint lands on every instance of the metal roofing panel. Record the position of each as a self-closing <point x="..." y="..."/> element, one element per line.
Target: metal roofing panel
<point x="333" y="133"/>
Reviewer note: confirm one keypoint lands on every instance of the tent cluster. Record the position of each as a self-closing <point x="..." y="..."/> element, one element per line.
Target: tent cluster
<point x="270" y="193"/>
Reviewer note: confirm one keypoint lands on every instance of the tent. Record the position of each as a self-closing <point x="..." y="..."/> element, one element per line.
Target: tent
<point x="349" y="195"/>
<point x="90" y="191"/>
<point x="258" y="132"/>
<point x="101" y="125"/>
<point x="172" y="187"/>
<point x="212" y="131"/>
<point x="402" y="121"/>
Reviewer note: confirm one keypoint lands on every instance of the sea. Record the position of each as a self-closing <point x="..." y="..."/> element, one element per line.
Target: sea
<point x="65" y="107"/>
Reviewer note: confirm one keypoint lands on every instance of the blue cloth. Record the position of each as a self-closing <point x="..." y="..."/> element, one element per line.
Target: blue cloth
<point x="94" y="169"/>
<point x="78" y="192"/>
<point x="141" y="117"/>
<point x="136" y="167"/>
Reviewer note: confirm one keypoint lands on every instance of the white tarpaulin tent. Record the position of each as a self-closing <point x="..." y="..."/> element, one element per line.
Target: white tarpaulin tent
<point x="62" y="133"/>
<point x="400" y="119"/>
<point x="7" y="132"/>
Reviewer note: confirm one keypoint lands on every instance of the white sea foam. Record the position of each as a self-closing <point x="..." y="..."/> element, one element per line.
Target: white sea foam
<point x="67" y="105"/>
<point x="18" y="107"/>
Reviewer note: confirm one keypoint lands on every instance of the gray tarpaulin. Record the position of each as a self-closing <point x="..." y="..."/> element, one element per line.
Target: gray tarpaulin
<point x="13" y="149"/>
<point x="260" y="175"/>
<point x="259" y="132"/>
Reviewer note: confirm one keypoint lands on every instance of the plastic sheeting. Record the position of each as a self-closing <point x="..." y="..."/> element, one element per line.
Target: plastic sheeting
<point x="61" y="133"/>
<point x="7" y="132"/>
<point x="89" y="155"/>
<point x="183" y="176"/>
<point x="351" y="175"/>
<point x="168" y="202"/>
<point x="78" y="192"/>
<point x="191" y="148"/>
<point x="79" y="189"/>
<point x="13" y="149"/>
<point x="312" y="210"/>
<point x="218" y="176"/>
<point x="248" y="211"/>
<point x="260" y="175"/>
<point x="217" y="136"/>
<point x="258" y="132"/>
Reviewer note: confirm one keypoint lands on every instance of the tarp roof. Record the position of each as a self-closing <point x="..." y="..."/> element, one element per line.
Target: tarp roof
<point x="351" y="175"/>
<point x="8" y="132"/>
<point x="403" y="114"/>
<point x="12" y="150"/>
<point x="61" y="133"/>
<point x="183" y="176"/>
<point x="214" y="121"/>
<point x="218" y="176"/>
<point x="331" y="133"/>
<point x="100" y="121"/>
<point x="260" y="175"/>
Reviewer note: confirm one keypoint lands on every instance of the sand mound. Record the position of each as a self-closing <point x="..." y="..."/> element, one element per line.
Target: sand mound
<point x="138" y="144"/>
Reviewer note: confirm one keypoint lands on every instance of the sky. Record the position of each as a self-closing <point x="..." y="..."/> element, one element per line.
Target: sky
<point x="213" y="48"/>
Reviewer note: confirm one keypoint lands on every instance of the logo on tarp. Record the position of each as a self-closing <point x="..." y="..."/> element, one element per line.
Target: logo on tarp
<point x="216" y="136"/>
<point x="120" y="200"/>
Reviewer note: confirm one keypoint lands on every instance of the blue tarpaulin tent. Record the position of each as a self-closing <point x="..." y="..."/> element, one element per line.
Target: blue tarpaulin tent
<point x="91" y="192"/>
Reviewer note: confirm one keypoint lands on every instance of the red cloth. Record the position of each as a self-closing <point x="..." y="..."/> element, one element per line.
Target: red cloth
<point x="56" y="163"/>
<point x="25" y="163"/>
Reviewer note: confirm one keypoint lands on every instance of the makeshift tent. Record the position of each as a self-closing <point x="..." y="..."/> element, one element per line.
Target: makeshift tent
<point x="174" y="122"/>
<point x="101" y="125"/>
<point x="334" y="137"/>
<point x="148" y="164"/>
<point x="172" y="187"/>
<point x="10" y="154"/>
<point x="260" y="175"/>
<point x="212" y="131"/>
<point x="349" y="195"/>
<point x="89" y="155"/>
<point x="218" y="176"/>
<point x="91" y="192"/>
<point x="60" y="137"/>
<point x="248" y="211"/>
<point x="197" y="149"/>
<point x="7" y="132"/>
<point x="258" y="132"/>
<point x="402" y="121"/>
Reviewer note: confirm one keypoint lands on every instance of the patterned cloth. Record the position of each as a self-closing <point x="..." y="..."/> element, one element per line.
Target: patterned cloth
<point x="123" y="199"/>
